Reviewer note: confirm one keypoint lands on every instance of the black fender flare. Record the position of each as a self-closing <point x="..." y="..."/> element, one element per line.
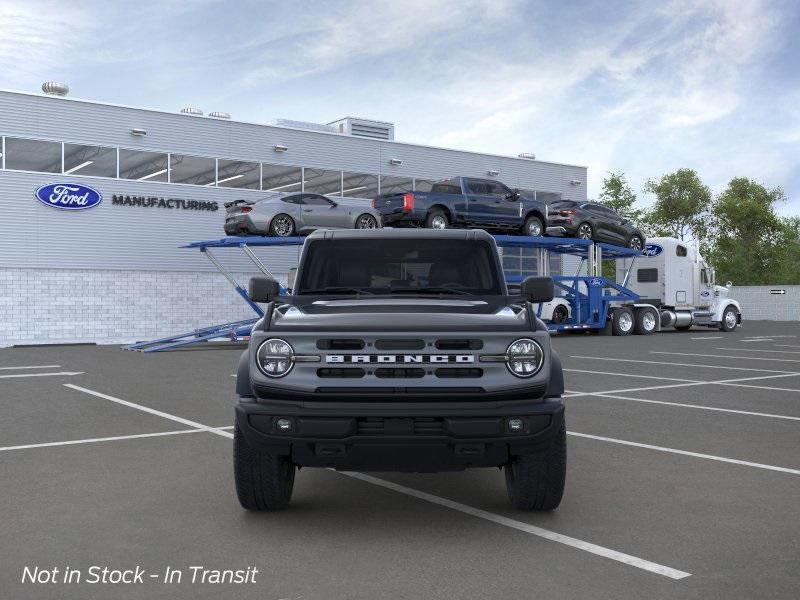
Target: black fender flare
<point x="243" y="388"/>
<point x="555" y="387"/>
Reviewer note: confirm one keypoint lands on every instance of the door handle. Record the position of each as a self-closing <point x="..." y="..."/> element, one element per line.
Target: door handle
<point x="307" y="210"/>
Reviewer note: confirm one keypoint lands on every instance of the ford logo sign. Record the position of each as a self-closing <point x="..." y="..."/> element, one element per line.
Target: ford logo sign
<point x="68" y="196"/>
<point x="595" y="282"/>
<point x="652" y="250"/>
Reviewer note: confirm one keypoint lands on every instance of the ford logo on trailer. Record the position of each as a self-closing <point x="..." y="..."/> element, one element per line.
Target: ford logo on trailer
<point x="652" y="250"/>
<point x="68" y="196"/>
<point x="595" y="282"/>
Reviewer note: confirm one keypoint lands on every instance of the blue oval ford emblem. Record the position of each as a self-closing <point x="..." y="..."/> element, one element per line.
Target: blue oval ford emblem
<point x="652" y="250"/>
<point x="68" y="196"/>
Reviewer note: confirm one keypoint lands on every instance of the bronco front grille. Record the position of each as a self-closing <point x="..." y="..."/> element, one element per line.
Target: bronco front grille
<point x="415" y="426"/>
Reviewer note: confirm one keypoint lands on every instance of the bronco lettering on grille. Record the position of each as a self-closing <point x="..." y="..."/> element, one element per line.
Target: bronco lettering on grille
<point x="400" y="358"/>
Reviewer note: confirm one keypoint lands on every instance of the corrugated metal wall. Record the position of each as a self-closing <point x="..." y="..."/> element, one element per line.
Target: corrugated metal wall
<point x="125" y="237"/>
<point x="767" y="303"/>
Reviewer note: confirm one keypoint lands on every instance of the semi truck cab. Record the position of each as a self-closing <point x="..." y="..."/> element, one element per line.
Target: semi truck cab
<point x="672" y="276"/>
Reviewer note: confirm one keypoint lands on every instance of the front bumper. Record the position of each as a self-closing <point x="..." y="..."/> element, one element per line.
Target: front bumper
<point x="400" y="436"/>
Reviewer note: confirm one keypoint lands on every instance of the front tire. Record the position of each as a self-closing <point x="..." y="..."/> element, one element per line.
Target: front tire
<point x="729" y="320"/>
<point x="635" y="242"/>
<point x="282" y="226"/>
<point x="536" y="481"/>
<point x="366" y="221"/>
<point x="533" y="227"/>
<point x="264" y="480"/>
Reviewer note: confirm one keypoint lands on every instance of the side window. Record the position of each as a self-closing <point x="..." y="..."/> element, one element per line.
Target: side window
<point x="498" y="189"/>
<point x="680" y="251"/>
<point x="703" y="276"/>
<point x="477" y="187"/>
<point x="647" y="275"/>
<point x="445" y="187"/>
<point x="315" y="200"/>
<point x="292" y="200"/>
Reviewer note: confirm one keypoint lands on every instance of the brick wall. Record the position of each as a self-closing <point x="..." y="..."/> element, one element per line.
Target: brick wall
<point x="39" y="306"/>
<point x="759" y="304"/>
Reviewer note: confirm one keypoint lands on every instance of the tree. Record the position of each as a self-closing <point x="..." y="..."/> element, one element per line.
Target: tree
<point x="618" y="196"/>
<point x="751" y="244"/>
<point x="681" y="206"/>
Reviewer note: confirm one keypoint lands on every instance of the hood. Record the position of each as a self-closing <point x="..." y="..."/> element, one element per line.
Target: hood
<point x="720" y="291"/>
<point x="401" y="314"/>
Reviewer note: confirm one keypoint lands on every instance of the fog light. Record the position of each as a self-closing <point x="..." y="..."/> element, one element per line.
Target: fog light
<point x="283" y="424"/>
<point x="516" y="424"/>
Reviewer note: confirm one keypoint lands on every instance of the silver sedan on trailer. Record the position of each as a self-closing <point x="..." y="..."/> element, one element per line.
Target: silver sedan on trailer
<point x="284" y="215"/>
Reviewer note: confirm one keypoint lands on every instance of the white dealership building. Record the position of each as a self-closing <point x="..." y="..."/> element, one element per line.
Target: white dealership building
<point x="115" y="272"/>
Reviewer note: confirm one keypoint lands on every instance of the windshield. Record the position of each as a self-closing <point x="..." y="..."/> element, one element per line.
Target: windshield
<point x="393" y="266"/>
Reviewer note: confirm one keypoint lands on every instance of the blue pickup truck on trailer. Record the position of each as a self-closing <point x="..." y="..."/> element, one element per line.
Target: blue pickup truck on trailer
<point x="465" y="202"/>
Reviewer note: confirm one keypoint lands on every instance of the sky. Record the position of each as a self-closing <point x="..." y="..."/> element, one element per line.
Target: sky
<point x="639" y="87"/>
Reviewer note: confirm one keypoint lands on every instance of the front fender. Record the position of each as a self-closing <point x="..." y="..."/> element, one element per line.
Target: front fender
<point x="723" y="305"/>
<point x="555" y="387"/>
<point x="243" y="388"/>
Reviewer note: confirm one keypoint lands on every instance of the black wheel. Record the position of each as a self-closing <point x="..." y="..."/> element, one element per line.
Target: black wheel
<point x="622" y="321"/>
<point x="635" y="242"/>
<point x="729" y="319"/>
<point x="645" y="322"/>
<point x="437" y="219"/>
<point x="366" y="221"/>
<point x="264" y="480"/>
<point x="585" y="231"/>
<point x="560" y="314"/>
<point x="536" y="481"/>
<point x="282" y="226"/>
<point x="533" y="227"/>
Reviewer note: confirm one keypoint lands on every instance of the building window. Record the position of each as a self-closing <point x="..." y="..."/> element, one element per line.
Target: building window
<point x="238" y="174"/>
<point x="396" y="185"/>
<point x="279" y="178"/>
<point x="320" y="181"/>
<point x="359" y="185"/>
<point x="90" y="160"/>
<point x="196" y="170"/>
<point x="143" y="166"/>
<point x="423" y="185"/>
<point x="33" y="155"/>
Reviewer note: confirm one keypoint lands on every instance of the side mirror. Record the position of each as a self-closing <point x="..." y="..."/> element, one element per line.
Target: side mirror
<point x="334" y="204"/>
<point x="263" y="289"/>
<point x="537" y="289"/>
<point x="514" y="195"/>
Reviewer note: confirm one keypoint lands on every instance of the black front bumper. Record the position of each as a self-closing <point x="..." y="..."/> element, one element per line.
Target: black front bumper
<point x="399" y="436"/>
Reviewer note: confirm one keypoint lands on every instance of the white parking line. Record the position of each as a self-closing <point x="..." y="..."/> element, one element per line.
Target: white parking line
<point x="697" y="406"/>
<point x="62" y="373"/>
<point x="30" y="367"/>
<point x="674" y="364"/>
<point x="707" y="337"/>
<point x="152" y="411"/>
<point x="686" y="453"/>
<point x="689" y="383"/>
<point x="760" y="350"/>
<point x="787" y="346"/>
<point x="633" y="375"/>
<point x="793" y="360"/>
<point x="566" y="540"/>
<point x="757" y="340"/>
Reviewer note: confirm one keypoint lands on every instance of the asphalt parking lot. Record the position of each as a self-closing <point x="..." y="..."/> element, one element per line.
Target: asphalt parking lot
<point x="683" y="482"/>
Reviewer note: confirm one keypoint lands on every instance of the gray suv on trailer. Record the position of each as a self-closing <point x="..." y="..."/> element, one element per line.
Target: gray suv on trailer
<point x="400" y="350"/>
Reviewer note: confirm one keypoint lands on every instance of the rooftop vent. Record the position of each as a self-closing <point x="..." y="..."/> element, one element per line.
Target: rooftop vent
<point x="53" y="88"/>
<point x="527" y="155"/>
<point x="219" y="115"/>
<point x="192" y="110"/>
<point x="303" y="125"/>
<point x="376" y="130"/>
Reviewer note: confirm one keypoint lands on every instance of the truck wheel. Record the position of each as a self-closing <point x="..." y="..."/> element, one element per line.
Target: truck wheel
<point x="436" y="219"/>
<point x="282" y="226"/>
<point x="536" y="481"/>
<point x="560" y="314"/>
<point x="533" y="227"/>
<point x="622" y="321"/>
<point x="645" y="323"/>
<point x="729" y="320"/>
<point x="264" y="480"/>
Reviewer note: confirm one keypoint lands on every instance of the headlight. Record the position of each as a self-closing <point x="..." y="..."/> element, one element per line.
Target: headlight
<point x="275" y="357"/>
<point x="524" y="357"/>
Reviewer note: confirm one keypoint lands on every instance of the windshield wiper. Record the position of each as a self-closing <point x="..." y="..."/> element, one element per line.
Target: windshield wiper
<point x="337" y="290"/>
<point x="431" y="290"/>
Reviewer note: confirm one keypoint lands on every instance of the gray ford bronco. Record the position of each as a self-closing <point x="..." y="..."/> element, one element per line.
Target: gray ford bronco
<point x="400" y="350"/>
